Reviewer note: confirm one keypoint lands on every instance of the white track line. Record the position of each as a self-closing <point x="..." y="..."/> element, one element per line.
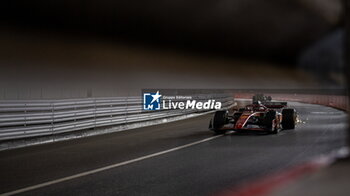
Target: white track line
<point x="48" y="183"/>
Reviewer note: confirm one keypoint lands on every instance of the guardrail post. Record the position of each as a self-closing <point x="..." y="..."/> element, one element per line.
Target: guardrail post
<point x="111" y="111"/>
<point x="52" y="117"/>
<point x="75" y="113"/>
<point x="95" y="113"/>
<point x="126" y="109"/>
<point x="25" y="114"/>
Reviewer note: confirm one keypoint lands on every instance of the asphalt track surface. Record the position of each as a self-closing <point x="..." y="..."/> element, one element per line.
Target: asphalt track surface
<point x="205" y="168"/>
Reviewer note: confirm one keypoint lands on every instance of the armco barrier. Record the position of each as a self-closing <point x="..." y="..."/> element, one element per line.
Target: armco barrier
<point x="24" y="119"/>
<point x="336" y="101"/>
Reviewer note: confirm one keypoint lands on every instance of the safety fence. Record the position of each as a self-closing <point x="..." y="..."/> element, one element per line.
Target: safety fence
<point x="23" y="119"/>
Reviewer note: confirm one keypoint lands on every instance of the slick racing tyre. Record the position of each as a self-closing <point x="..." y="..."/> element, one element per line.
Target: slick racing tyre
<point x="269" y="98"/>
<point x="268" y="121"/>
<point x="288" y="118"/>
<point x="219" y="120"/>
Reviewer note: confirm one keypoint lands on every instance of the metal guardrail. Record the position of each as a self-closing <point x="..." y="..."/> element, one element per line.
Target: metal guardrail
<point x="23" y="119"/>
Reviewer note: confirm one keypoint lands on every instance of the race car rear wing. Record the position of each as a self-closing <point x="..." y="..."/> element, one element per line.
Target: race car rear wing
<point x="275" y="104"/>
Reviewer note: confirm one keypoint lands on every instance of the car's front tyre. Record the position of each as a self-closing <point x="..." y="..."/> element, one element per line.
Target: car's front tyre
<point x="270" y="122"/>
<point x="289" y="118"/>
<point x="219" y="120"/>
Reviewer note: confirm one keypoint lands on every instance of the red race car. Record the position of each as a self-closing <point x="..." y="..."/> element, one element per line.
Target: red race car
<point x="269" y="117"/>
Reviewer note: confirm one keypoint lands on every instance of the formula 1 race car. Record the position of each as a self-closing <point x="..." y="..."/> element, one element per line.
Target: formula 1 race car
<point x="270" y="117"/>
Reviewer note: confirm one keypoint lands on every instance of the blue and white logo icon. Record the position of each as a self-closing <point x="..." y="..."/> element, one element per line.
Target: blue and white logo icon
<point x="151" y="101"/>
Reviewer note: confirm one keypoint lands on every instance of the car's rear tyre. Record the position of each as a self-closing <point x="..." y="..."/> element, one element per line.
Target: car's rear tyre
<point x="219" y="120"/>
<point x="269" y="98"/>
<point x="288" y="118"/>
<point x="254" y="99"/>
<point x="269" y="121"/>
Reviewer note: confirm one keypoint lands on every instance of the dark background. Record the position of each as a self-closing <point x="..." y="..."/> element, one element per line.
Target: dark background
<point x="69" y="49"/>
<point x="273" y="29"/>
